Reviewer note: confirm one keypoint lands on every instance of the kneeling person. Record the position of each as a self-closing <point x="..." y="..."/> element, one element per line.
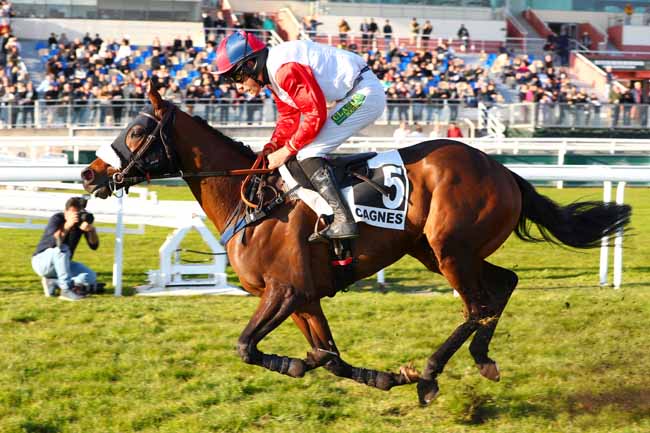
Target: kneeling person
<point x="53" y="256"/>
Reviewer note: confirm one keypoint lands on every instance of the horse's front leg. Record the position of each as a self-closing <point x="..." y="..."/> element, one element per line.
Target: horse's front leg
<point x="277" y="303"/>
<point x="313" y="324"/>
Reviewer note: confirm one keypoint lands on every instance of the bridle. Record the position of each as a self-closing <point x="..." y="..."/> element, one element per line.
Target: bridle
<point x="121" y="178"/>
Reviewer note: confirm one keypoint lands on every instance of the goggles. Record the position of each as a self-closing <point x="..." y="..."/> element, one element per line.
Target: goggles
<point x="236" y="76"/>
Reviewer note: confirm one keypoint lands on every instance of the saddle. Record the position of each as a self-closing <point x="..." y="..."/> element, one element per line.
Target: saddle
<point x="343" y="166"/>
<point x="374" y="185"/>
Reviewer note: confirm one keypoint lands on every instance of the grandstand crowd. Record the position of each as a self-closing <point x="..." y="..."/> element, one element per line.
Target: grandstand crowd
<point x="96" y="80"/>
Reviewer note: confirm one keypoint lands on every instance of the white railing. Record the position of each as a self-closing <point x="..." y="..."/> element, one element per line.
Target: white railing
<point x="489" y="121"/>
<point x="32" y="147"/>
<point x="590" y="173"/>
<point x="383" y="41"/>
<point x="267" y="35"/>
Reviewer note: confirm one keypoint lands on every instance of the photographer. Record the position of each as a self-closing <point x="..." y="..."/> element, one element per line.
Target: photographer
<point x="53" y="256"/>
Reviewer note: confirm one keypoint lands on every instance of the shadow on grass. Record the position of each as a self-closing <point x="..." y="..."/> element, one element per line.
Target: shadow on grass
<point x="396" y="285"/>
<point x="472" y="407"/>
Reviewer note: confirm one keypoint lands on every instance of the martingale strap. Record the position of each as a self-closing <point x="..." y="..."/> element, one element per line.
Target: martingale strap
<point x="255" y="216"/>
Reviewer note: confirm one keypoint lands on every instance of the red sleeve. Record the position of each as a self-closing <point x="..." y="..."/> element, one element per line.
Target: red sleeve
<point x="286" y="125"/>
<point x="301" y="86"/>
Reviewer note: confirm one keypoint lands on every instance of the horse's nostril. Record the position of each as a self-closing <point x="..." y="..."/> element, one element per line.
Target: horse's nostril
<point x="88" y="175"/>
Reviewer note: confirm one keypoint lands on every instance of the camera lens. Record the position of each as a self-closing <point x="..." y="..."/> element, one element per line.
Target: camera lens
<point x="86" y="217"/>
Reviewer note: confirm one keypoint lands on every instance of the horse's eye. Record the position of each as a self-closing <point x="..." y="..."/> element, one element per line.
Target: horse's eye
<point x="137" y="133"/>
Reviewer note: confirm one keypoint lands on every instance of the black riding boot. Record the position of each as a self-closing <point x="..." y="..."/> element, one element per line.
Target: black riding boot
<point x="322" y="178"/>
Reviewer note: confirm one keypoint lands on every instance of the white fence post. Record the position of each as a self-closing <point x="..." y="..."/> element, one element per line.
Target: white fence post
<point x="618" y="242"/>
<point x="604" y="243"/>
<point x="119" y="247"/>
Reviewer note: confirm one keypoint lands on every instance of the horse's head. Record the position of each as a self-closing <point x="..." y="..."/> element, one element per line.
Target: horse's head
<point x="141" y="150"/>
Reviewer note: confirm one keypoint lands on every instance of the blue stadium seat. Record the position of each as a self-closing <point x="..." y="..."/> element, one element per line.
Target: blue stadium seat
<point x="490" y="60"/>
<point x="40" y="45"/>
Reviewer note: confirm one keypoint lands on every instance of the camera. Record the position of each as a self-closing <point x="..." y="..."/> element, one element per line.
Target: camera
<point x="84" y="215"/>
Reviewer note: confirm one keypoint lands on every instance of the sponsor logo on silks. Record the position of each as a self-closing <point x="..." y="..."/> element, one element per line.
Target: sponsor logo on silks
<point x="349" y="108"/>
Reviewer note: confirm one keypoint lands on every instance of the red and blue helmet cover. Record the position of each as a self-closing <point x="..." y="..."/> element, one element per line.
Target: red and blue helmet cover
<point x="235" y="48"/>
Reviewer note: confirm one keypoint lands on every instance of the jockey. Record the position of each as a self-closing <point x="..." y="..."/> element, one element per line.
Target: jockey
<point x="324" y="95"/>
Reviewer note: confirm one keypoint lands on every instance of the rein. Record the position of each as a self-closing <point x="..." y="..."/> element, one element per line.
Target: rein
<point x="119" y="178"/>
<point x="180" y="173"/>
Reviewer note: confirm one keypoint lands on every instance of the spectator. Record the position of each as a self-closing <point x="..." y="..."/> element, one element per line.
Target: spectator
<point x="388" y="34"/>
<point x="208" y="23"/>
<point x="426" y="34"/>
<point x="586" y="40"/>
<point x="415" y="30"/>
<point x="364" y="28"/>
<point x="64" y="41"/>
<point x="401" y="132"/>
<point x="52" y="259"/>
<point x="614" y="99"/>
<point x="25" y="98"/>
<point x="177" y="45"/>
<point x="97" y="42"/>
<point x="313" y="26"/>
<point x="5" y="16"/>
<point x="344" y="29"/>
<point x="549" y="45"/>
<point x="454" y="131"/>
<point x="640" y="99"/>
<point x="595" y="111"/>
<point x="124" y="52"/>
<point x="157" y="60"/>
<point x="562" y="48"/>
<point x="435" y="131"/>
<point x="626" y="100"/>
<point x="220" y="25"/>
<point x="417" y="131"/>
<point x="373" y="28"/>
<point x="268" y="25"/>
<point x="52" y="41"/>
<point x="629" y="11"/>
<point x="463" y="35"/>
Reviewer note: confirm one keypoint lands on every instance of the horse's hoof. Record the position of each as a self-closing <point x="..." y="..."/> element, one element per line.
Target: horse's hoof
<point x="297" y="368"/>
<point x="490" y="371"/>
<point x="427" y="391"/>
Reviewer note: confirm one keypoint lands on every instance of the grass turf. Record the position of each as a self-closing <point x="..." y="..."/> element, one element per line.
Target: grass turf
<point x="574" y="356"/>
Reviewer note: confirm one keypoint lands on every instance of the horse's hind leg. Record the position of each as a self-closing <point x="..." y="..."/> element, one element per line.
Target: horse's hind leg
<point x="499" y="283"/>
<point x="313" y="324"/>
<point x="462" y="270"/>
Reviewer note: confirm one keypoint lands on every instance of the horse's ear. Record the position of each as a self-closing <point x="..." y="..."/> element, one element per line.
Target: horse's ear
<point x="154" y="96"/>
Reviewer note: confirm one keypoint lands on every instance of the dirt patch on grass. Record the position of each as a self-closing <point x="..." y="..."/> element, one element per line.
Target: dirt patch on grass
<point x="633" y="400"/>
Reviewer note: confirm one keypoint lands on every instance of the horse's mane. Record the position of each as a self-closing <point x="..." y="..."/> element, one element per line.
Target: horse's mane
<point x="237" y="145"/>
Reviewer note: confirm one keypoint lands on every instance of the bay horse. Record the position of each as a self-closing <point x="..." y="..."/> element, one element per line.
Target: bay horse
<point x="463" y="206"/>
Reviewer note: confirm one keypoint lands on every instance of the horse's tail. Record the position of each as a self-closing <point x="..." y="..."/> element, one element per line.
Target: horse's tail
<point x="579" y="224"/>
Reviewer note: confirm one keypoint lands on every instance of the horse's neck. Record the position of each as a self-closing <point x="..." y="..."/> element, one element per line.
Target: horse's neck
<point x="217" y="195"/>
